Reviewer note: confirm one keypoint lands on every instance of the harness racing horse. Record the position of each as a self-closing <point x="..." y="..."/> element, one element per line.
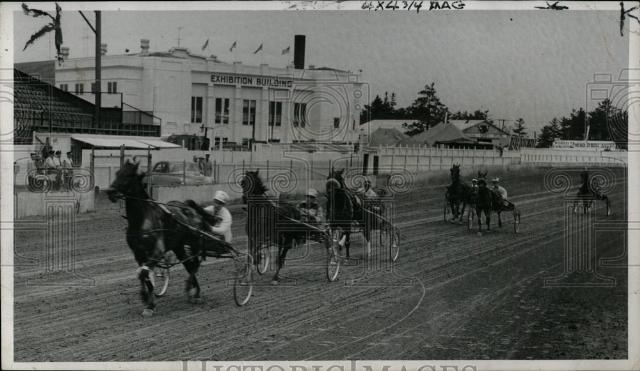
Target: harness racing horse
<point x="488" y="200"/>
<point x="271" y="223"/>
<point x="344" y="207"/>
<point x="152" y="230"/>
<point x="458" y="193"/>
<point x="588" y="193"/>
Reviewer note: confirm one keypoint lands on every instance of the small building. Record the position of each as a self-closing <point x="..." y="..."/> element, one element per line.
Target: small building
<point x="461" y="134"/>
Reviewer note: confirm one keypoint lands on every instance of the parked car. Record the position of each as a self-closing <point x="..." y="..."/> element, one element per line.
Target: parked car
<point x="165" y="173"/>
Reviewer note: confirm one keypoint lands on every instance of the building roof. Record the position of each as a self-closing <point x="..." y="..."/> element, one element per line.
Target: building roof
<point x="115" y="141"/>
<point x="466" y="125"/>
<point x="373" y="125"/>
<point x="385" y="137"/>
<point x="441" y="133"/>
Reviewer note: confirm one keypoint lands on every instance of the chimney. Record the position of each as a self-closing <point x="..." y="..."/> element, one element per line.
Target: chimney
<point x="144" y="46"/>
<point x="103" y="49"/>
<point x="298" y="52"/>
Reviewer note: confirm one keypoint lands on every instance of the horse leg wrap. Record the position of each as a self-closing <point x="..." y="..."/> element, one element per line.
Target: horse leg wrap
<point x="146" y="274"/>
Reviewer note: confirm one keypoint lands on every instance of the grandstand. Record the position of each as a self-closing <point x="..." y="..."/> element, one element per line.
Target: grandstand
<point x="41" y="107"/>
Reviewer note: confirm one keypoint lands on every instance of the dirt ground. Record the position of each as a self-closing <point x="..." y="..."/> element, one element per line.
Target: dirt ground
<point x="451" y="295"/>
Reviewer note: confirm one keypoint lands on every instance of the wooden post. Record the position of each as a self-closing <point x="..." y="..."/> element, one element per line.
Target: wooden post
<point x="149" y="177"/>
<point x="184" y="172"/>
<point x="121" y="156"/>
<point x="213" y="172"/>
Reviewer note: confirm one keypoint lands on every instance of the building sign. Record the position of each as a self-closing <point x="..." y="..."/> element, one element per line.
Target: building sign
<point x="581" y="144"/>
<point x="252" y="80"/>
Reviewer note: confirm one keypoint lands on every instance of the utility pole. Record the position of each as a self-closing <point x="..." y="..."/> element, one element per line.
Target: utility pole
<point x="98" y="67"/>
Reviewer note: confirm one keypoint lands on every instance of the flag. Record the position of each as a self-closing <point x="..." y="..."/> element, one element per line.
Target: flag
<point x="206" y="43"/>
<point x="286" y="50"/>
<point x="259" y="49"/>
<point x="233" y="46"/>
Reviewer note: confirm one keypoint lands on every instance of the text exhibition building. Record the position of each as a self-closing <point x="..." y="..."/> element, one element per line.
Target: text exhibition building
<point x="233" y="102"/>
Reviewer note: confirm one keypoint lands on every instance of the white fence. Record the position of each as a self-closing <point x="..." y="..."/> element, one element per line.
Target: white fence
<point x="569" y="157"/>
<point x="275" y="161"/>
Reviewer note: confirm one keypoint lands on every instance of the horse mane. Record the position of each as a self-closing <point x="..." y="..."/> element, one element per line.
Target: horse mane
<point x="258" y="187"/>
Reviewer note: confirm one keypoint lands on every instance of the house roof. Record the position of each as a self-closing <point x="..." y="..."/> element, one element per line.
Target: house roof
<point x="441" y="133"/>
<point x="384" y="137"/>
<point x="373" y="125"/>
<point x="465" y="125"/>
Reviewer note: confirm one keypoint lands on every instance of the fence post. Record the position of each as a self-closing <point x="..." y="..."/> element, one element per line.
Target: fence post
<point x="213" y="172"/>
<point x="184" y="171"/>
<point x="92" y="164"/>
<point x="121" y="156"/>
<point x="149" y="177"/>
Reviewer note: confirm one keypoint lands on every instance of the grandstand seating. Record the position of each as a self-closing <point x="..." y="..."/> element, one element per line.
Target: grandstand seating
<point x="39" y="106"/>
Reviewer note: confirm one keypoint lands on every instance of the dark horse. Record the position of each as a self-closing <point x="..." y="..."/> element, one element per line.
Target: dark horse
<point x="588" y="193"/>
<point x="152" y="230"/>
<point x="270" y="222"/>
<point x="458" y="194"/>
<point x="344" y="207"/>
<point x="488" y="200"/>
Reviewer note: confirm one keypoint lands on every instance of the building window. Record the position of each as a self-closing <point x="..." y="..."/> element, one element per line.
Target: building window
<point x="93" y="87"/>
<point x="196" y="109"/>
<point x="299" y="114"/>
<point x="216" y="142"/>
<point x="248" y="112"/>
<point x="112" y="87"/>
<point x="246" y="142"/>
<point x="64" y="87"/>
<point x="222" y="111"/>
<point x="336" y="122"/>
<point x="275" y="113"/>
<point x="79" y="88"/>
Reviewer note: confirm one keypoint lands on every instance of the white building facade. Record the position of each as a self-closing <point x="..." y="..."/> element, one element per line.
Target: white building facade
<point x="233" y="102"/>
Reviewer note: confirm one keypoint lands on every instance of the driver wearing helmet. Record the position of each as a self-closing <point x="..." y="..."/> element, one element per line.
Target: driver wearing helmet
<point x="222" y="227"/>
<point x="500" y="190"/>
<point x="311" y="210"/>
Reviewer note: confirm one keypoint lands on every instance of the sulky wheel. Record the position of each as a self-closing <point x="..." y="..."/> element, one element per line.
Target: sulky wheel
<point x="162" y="273"/>
<point x="243" y="283"/>
<point x="333" y="259"/>
<point x="264" y="258"/>
<point x="516" y="221"/>
<point x="394" y="244"/>
<point x="470" y="220"/>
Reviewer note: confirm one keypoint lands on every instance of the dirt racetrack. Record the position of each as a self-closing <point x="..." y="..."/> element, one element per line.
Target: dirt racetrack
<point x="451" y="295"/>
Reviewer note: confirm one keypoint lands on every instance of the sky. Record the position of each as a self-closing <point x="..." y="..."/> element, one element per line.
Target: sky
<point x="530" y="64"/>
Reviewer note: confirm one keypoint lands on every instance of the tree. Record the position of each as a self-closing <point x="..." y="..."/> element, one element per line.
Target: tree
<point x="572" y="127"/>
<point x="548" y="134"/>
<point x="428" y="109"/>
<point x="54" y="25"/>
<point x="598" y="120"/>
<point x="519" y="129"/>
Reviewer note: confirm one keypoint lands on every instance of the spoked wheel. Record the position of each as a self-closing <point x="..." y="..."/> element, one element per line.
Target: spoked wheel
<point x="394" y="244"/>
<point x="470" y="220"/>
<point x="162" y="273"/>
<point x="264" y="258"/>
<point x="333" y="261"/>
<point x="243" y="283"/>
<point x="516" y="221"/>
